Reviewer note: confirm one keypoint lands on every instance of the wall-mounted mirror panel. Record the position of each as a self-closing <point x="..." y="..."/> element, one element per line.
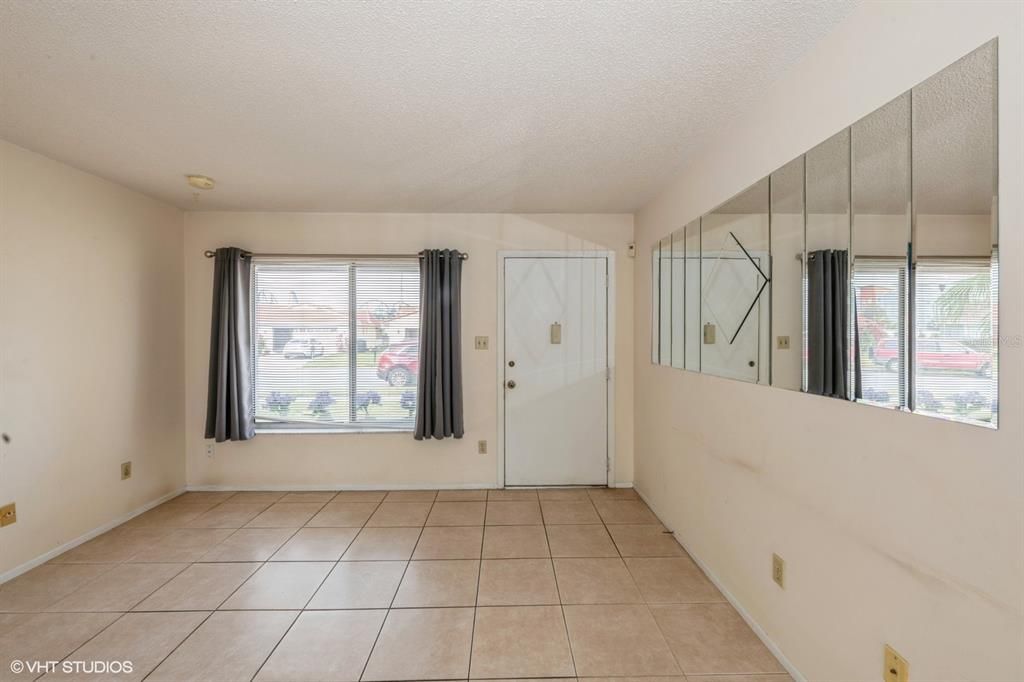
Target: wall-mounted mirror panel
<point x="666" y="272"/>
<point x="679" y="298"/>
<point x="691" y="297"/>
<point x="955" y="241"/>
<point x="828" y="367"/>
<point x="787" y="301"/>
<point x="880" y="182"/>
<point x="864" y="270"/>
<point x="735" y="272"/>
<point x="655" y="303"/>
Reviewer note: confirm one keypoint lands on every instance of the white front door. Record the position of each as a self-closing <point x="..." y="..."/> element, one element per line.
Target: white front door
<point x="555" y="369"/>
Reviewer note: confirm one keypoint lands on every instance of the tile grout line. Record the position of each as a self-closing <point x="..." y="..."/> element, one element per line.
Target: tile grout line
<point x="144" y="598"/>
<point x="558" y="592"/>
<point x="209" y="615"/>
<point x="178" y="645"/>
<point x="476" y="599"/>
<point x="646" y="606"/>
<point x="215" y="610"/>
<point x="109" y="625"/>
<point x="326" y="576"/>
<point x="94" y="636"/>
<point x="387" y="612"/>
<point x="318" y="587"/>
<point x="133" y="604"/>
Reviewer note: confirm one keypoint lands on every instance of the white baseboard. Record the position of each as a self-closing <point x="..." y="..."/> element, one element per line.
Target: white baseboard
<point x="381" y="486"/>
<point x="85" y="537"/>
<point x="289" y="488"/>
<point x="758" y="630"/>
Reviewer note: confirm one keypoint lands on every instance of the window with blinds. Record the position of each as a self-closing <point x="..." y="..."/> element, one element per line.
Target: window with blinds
<point x="955" y="350"/>
<point x="880" y="291"/>
<point x="336" y="343"/>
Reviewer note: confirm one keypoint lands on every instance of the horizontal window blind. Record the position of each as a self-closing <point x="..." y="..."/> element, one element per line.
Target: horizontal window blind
<point x="880" y="288"/>
<point x="336" y="343"/>
<point x="387" y="309"/>
<point x="955" y="349"/>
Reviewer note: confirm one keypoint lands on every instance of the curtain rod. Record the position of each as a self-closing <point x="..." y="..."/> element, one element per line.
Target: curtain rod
<point x="211" y="254"/>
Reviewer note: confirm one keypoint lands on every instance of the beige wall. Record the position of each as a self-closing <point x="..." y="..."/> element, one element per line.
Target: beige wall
<point x="91" y="352"/>
<point x="895" y="528"/>
<point x="382" y="459"/>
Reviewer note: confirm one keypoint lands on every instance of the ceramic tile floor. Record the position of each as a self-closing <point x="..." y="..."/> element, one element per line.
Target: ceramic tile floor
<point x="403" y="585"/>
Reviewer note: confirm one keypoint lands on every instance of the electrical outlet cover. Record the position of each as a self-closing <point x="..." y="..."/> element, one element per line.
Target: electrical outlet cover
<point x="896" y="668"/>
<point x="8" y="514"/>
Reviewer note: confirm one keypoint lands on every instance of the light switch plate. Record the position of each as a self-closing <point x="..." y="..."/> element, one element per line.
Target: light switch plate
<point x="709" y="333"/>
<point x="126" y="470"/>
<point x="779" y="571"/>
<point x="783" y="343"/>
<point x="481" y="447"/>
<point x="481" y="343"/>
<point x="556" y="333"/>
<point x="896" y="668"/>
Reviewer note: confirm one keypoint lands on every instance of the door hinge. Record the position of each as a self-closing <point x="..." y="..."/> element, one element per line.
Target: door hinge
<point x="607" y="373"/>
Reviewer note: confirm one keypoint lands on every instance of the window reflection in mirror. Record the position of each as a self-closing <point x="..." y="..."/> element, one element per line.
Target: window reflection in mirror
<point x="880" y="176"/>
<point x="955" y="241"/>
<point x="787" y="187"/>
<point x="735" y="271"/>
<point x="828" y="367"/>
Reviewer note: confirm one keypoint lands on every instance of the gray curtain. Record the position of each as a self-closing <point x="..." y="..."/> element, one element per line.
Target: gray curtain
<point x="229" y="399"/>
<point x="828" y="337"/>
<point x="439" y="388"/>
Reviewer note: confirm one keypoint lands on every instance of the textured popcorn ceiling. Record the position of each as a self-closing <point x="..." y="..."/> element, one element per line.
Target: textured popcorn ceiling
<point x="392" y="106"/>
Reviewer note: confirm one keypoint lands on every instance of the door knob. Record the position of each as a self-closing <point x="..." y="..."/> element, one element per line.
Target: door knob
<point x="511" y="383"/>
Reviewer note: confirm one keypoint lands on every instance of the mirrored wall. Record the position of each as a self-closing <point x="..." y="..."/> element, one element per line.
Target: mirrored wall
<point x="864" y="270"/>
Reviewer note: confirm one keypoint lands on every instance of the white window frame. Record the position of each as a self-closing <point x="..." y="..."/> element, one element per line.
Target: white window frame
<point x="896" y="265"/>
